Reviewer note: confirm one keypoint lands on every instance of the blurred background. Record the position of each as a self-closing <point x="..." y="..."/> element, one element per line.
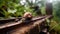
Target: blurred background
<point x="16" y="8"/>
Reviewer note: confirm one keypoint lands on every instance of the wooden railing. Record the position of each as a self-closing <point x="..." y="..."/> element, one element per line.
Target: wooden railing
<point x="21" y="28"/>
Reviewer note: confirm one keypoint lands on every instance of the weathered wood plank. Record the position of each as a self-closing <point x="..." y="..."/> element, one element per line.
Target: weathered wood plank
<point x="16" y="23"/>
<point x="27" y="28"/>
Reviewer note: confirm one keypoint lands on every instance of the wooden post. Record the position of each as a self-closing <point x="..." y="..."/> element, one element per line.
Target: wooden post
<point x="49" y="8"/>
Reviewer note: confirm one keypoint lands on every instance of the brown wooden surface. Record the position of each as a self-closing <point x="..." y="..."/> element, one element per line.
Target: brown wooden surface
<point x="31" y="28"/>
<point x="25" y="29"/>
<point x="15" y="23"/>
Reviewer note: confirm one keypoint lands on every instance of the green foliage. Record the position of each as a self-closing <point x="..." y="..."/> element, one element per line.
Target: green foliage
<point x="15" y="4"/>
<point x="12" y="5"/>
<point x="6" y="14"/>
<point x="55" y="22"/>
<point x="54" y="25"/>
<point x="56" y="9"/>
<point x="43" y="11"/>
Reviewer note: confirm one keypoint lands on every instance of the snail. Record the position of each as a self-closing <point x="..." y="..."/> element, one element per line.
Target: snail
<point x="27" y="15"/>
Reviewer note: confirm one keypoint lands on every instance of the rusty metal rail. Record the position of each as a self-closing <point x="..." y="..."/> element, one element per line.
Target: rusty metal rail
<point x="25" y="27"/>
